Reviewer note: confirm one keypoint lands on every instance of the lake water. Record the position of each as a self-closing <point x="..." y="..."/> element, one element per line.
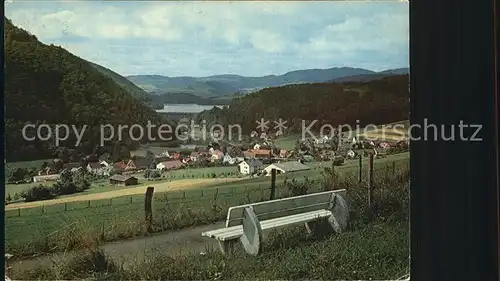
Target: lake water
<point x="185" y="108"/>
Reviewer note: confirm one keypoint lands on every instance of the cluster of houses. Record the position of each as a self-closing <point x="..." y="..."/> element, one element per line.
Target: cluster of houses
<point x="165" y="161"/>
<point x="251" y="161"/>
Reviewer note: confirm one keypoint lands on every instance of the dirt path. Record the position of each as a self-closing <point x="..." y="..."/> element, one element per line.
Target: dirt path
<point x="159" y="187"/>
<point x="127" y="252"/>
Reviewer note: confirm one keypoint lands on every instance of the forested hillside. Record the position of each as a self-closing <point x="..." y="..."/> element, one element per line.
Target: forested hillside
<point x="47" y="84"/>
<point x="374" y="102"/>
<point x="123" y="82"/>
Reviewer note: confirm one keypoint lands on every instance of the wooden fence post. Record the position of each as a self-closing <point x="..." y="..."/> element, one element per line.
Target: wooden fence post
<point x="65" y="206"/>
<point x="110" y="202"/>
<point x="88" y="204"/>
<point x="132" y="199"/>
<point x="273" y="184"/>
<point x="360" y="168"/>
<point x="43" y="209"/>
<point x="18" y="212"/>
<point x="370" y="182"/>
<point x="148" y="210"/>
<point x="393" y="167"/>
<point x="103" y="233"/>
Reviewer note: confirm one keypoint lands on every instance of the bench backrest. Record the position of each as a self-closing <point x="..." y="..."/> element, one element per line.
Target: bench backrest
<point x="285" y="207"/>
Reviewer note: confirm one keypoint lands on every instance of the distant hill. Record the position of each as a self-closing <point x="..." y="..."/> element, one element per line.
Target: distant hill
<point x="372" y="76"/>
<point x="46" y="84"/>
<point x="185" y="98"/>
<point x="379" y="101"/>
<point x="223" y="85"/>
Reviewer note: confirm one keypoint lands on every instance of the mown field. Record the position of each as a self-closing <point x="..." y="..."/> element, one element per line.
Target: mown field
<point x="103" y="185"/>
<point x="46" y="229"/>
<point x="374" y="247"/>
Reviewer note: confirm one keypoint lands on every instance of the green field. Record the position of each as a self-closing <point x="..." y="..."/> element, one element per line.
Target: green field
<point x="103" y="185"/>
<point x="287" y="142"/>
<point x="375" y="245"/>
<point x="34" y="230"/>
<point x="26" y="164"/>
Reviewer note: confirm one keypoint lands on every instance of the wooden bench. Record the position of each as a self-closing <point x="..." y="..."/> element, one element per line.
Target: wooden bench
<point x="246" y="222"/>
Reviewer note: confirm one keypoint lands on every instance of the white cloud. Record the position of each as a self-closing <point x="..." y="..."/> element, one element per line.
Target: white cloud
<point x="267" y="41"/>
<point x="195" y="38"/>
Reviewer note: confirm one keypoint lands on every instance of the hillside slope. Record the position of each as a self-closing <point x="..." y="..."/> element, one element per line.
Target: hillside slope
<point x="372" y="76"/>
<point x="374" y="102"/>
<point x="123" y="82"/>
<point x="48" y="85"/>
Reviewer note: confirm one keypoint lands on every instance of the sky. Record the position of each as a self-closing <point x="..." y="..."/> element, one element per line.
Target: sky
<point x="207" y="38"/>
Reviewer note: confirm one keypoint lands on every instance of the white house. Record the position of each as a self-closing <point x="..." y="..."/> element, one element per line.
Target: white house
<point x="216" y="134"/>
<point x="321" y="140"/>
<point x="286" y="167"/>
<point x="165" y="154"/>
<point x="256" y="146"/>
<point x="194" y="156"/>
<point x="228" y="159"/>
<point x="104" y="163"/>
<point x="217" y="155"/>
<point x="351" y="153"/>
<point x="44" y="178"/>
<point x="169" y="165"/>
<point x="250" y="166"/>
<point x="97" y="169"/>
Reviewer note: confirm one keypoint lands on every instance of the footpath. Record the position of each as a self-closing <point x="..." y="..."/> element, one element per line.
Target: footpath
<point x="126" y="252"/>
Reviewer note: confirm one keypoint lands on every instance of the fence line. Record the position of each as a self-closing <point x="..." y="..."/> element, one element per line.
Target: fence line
<point x="167" y="213"/>
<point x="204" y="194"/>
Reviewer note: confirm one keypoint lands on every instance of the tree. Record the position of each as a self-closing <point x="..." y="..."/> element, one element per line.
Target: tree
<point x="151" y="174"/>
<point x="65" y="185"/>
<point x="17" y="175"/>
<point x="80" y="181"/>
<point x="37" y="193"/>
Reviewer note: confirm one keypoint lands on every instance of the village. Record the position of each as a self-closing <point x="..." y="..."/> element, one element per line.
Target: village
<point x="255" y="156"/>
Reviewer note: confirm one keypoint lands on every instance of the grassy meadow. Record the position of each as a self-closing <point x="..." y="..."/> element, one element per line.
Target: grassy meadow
<point x="45" y="229"/>
<point x="375" y="245"/>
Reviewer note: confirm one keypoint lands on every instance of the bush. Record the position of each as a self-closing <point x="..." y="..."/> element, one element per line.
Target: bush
<point x="296" y="188"/>
<point x="64" y="188"/>
<point x="82" y="185"/>
<point x="17" y="196"/>
<point x="37" y="193"/>
<point x="338" y="161"/>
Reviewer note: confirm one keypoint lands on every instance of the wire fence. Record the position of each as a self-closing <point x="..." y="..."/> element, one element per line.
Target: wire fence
<point x="123" y="217"/>
<point x="183" y="196"/>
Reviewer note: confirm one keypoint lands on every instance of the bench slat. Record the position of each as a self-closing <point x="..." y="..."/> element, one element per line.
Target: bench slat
<point x="234" y="232"/>
<point x="283" y="207"/>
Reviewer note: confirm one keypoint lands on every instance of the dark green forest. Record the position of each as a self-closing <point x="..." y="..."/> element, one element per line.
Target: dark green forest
<point x="45" y="84"/>
<point x="374" y="102"/>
